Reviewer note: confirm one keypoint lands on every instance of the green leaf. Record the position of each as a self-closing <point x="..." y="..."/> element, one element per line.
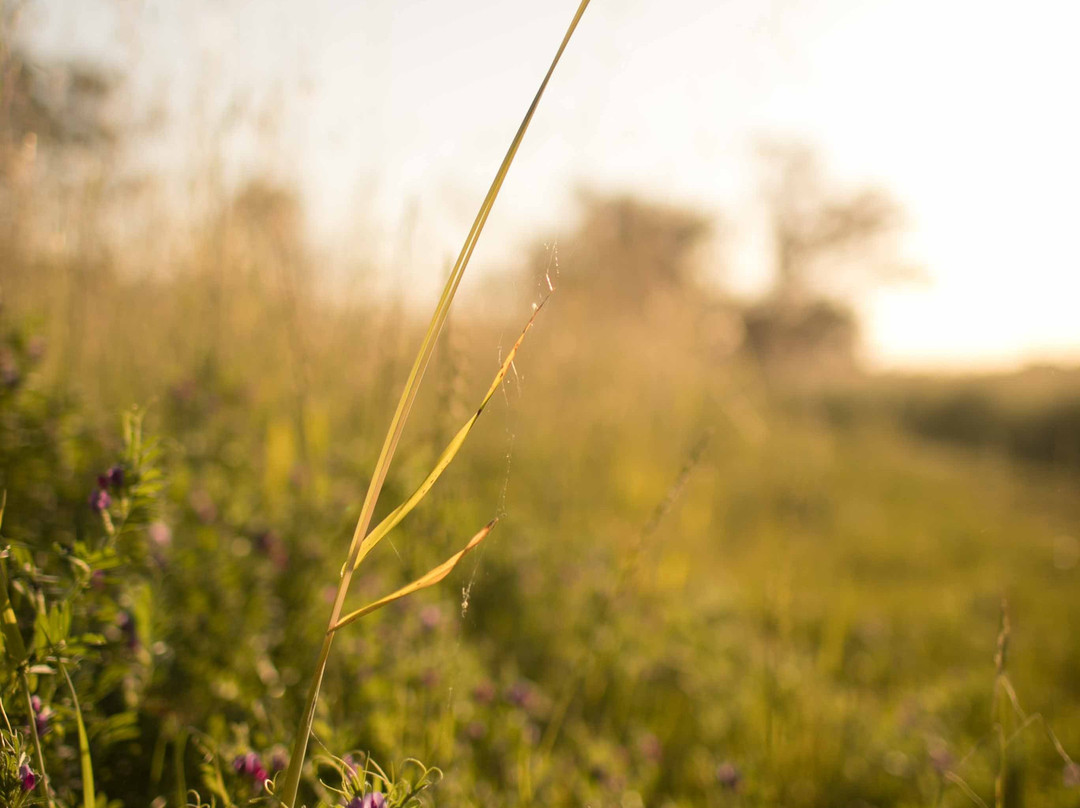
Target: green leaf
<point x="85" y="764"/>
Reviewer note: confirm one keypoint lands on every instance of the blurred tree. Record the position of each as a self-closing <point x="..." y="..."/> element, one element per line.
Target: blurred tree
<point x="58" y="135"/>
<point x="827" y="242"/>
<point x="830" y="247"/>
<point x="625" y="253"/>
<point x="640" y="248"/>
<point x="59" y="106"/>
<point x="630" y="271"/>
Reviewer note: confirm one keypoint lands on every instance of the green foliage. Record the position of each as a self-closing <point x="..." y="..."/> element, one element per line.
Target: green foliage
<point x="800" y="614"/>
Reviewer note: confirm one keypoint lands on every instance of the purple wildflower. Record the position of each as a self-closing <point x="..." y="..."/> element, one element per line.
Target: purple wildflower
<point x="160" y="534"/>
<point x="203" y="505"/>
<point x="9" y="371"/>
<point x="100" y="500"/>
<point x="35" y="349"/>
<point x="279" y="759"/>
<point x="1072" y="775"/>
<point x="42" y="716"/>
<point x="126" y="623"/>
<point x="27" y="778"/>
<point x="728" y="776"/>
<point x="520" y="694"/>
<point x="940" y="759"/>
<point x="484" y="693"/>
<point x="249" y="765"/>
<point x="115" y="477"/>
<point x="270" y="545"/>
<point x="651" y="748"/>
<point x="372" y="799"/>
<point x="41" y="722"/>
<point x="476" y="730"/>
<point x="430" y="617"/>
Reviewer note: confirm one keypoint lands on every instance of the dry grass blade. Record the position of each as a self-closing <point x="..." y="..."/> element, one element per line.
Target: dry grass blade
<point x="291" y="785"/>
<point x="442" y="310"/>
<point x="423" y="582"/>
<point x="446" y="457"/>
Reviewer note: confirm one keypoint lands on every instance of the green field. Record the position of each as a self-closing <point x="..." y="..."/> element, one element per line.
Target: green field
<point x="713" y="560"/>
<point x="703" y="590"/>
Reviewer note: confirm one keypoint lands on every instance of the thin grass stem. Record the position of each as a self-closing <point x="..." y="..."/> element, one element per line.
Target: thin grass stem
<point x="291" y="785"/>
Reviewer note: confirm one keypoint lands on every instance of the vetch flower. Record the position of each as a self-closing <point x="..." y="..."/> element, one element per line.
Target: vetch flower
<point x="1072" y="775"/>
<point x="372" y="799"/>
<point x="160" y="534"/>
<point x="126" y="623"/>
<point x="350" y="764"/>
<point x="100" y="500"/>
<point x="520" y="694"/>
<point x="260" y="777"/>
<point x="41" y="722"/>
<point x="651" y="748"/>
<point x="940" y="759"/>
<point x="27" y="778"/>
<point x="484" y="693"/>
<point x="270" y="545"/>
<point x="115" y="477"/>
<point x="430" y="617"/>
<point x="728" y="776"/>
<point x="279" y="759"/>
<point x="251" y="766"/>
<point x="35" y="349"/>
<point x="476" y="730"/>
<point x="42" y="716"/>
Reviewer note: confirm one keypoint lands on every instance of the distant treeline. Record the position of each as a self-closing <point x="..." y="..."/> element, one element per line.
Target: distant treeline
<point x="1033" y="415"/>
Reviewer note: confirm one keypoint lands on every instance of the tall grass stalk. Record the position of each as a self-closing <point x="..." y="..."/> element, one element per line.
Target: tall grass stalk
<point x="291" y="784"/>
<point x="86" y="765"/>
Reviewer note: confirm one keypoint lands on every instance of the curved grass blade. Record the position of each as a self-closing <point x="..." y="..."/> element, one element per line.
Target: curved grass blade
<point x="87" y="766"/>
<point x="448" y="454"/>
<point x="291" y="785"/>
<point x="423" y="582"/>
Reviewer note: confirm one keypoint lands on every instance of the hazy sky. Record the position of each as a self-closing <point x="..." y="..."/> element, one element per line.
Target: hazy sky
<point x="400" y="111"/>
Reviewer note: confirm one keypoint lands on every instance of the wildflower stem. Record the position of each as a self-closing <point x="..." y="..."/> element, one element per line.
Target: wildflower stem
<point x="37" y="740"/>
<point x="3" y="713"/>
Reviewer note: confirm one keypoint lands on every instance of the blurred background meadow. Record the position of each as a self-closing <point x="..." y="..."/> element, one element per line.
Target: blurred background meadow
<point x="786" y="472"/>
